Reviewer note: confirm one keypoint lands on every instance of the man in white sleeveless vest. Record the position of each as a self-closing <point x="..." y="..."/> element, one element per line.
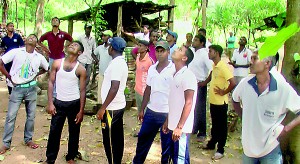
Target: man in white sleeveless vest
<point x="66" y="73"/>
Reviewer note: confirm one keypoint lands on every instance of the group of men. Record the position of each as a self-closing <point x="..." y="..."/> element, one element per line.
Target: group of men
<point x="171" y="92"/>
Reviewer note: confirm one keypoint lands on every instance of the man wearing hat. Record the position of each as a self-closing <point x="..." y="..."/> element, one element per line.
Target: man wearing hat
<point x="89" y="45"/>
<point x="113" y="98"/>
<point x="155" y="98"/>
<point x="171" y="39"/>
<point x="102" y="57"/>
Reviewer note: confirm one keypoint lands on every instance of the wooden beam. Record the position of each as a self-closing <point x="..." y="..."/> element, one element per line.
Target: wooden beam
<point x="119" y="25"/>
<point x="70" y="26"/>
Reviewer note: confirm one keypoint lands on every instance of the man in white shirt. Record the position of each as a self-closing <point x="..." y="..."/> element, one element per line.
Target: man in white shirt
<point x="201" y="66"/>
<point x="140" y="35"/>
<point x="25" y="69"/>
<point x="241" y="60"/>
<point x="265" y="102"/>
<point x="113" y="98"/>
<point x="155" y="98"/>
<point x="89" y="45"/>
<point x="103" y="59"/>
<point x="182" y="100"/>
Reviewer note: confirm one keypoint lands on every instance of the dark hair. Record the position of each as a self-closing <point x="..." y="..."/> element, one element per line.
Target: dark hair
<point x="244" y="38"/>
<point x="151" y="31"/>
<point x="86" y="25"/>
<point x="56" y="18"/>
<point x="217" y="48"/>
<point x="34" y="36"/>
<point x="189" y="33"/>
<point x="146" y="26"/>
<point x="202" y="30"/>
<point x="190" y="55"/>
<point x="201" y="39"/>
<point x="80" y="44"/>
<point x="9" y="24"/>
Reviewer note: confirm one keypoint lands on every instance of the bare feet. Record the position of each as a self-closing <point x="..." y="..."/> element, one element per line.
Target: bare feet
<point x="32" y="145"/>
<point x="71" y="161"/>
<point x="3" y="149"/>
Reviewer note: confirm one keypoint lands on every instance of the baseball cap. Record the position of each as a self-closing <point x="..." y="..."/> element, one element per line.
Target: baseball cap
<point x="117" y="43"/>
<point x="107" y="33"/>
<point x="144" y="42"/>
<point x="174" y="34"/>
<point x="163" y="44"/>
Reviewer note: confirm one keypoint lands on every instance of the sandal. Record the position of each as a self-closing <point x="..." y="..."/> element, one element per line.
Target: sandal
<point x="32" y="145"/>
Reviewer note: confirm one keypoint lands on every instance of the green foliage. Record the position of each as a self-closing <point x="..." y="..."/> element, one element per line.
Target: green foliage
<point x="99" y="23"/>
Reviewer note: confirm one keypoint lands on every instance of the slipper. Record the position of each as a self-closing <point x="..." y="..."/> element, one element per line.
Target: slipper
<point x="32" y="145"/>
<point x="3" y="149"/>
<point x="71" y="161"/>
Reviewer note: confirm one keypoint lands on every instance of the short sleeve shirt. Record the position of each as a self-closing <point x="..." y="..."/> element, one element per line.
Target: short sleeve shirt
<point x="151" y="52"/>
<point x="160" y="87"/>
<point x="142" y="36"/>
<point x="25" y="65"/>
<point x="142" y="67"/>
<point x="263" y="113"/>
<point x="104" y="58"/>
<point x="183" y="80"/>
<point x="231" y="39"/>
<point x="219" y="78"/>
<point x="56" y="43"/>
<point x="10" y="43"/>
<point x="201" y="65"/>
<point x="117" y="70"/>
<point x="89" y="45"/>
<point x="241" y="58"/>
<point x="172" y="49"/>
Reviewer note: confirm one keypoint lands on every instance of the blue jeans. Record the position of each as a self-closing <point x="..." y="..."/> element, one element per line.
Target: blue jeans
<point x="274" y="157"/>
<point x="200" y="112"/>
<point x="180" y="149"/>
<point x="17" y="95"/>
<point x="150" y="126"/>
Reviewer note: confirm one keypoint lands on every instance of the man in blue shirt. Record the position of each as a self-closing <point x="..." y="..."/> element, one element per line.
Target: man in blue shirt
<point x="171" y="39"/>
<point x="10" y="41"/>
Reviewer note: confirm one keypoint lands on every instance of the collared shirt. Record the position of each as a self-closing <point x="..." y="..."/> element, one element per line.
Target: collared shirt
<point x="56" y="43"/>
<point x="104" y="58"/>
<point x="117" y="70"/>
<point x="183" y="80"/>
<point x="201" y="65"/>
<point x="142" y="67"/>
<point x="160" y="87"/>
<point x="151" y="51"/>
<point x="172" y="49"/>
<point x="25" y="65"/>
<point x="10" y="43"/>
<point x="142" y="36"/>
<point x="241" y="58"/>
<point x="263" y="113"/>
<point x="219" y="78"/>
<point x="89" y="45"/>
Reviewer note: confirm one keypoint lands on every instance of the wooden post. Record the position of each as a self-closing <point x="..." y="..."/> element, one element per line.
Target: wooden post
<point x="204" y="3"/>
<point x="119" y="25"/>
<point x="171" y="20"/>
<point x="70" y="26"/>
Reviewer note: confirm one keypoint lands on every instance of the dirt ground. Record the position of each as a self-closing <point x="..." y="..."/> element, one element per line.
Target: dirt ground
<point x="91" y="140"/>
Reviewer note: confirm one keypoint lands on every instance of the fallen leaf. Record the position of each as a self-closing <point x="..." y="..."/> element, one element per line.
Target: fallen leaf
<point x="1" y="157"/>
<point x="95" y="153"/>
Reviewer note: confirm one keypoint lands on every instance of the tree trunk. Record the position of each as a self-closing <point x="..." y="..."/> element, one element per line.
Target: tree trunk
<point x="120" y="17"/>
<point x="39" y="17"/>
<point x="17" y="20"/>
<point x="4" y="11"/>
<point x="204" y="5"/>
<point x="290" y="144"/>
<point x="171" y="17"/>
<point x="25" y="17"/>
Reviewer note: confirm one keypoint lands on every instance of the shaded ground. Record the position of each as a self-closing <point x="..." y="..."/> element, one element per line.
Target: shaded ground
<point x="91" y="140"/>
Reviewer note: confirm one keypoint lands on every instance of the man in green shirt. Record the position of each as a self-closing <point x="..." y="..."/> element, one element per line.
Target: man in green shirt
<point x="230" y="45"/>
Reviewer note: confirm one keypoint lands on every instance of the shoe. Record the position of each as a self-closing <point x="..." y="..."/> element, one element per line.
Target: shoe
<point x="201" y="138"/>
<point x="217" y="156"/>
<point x="205" y="147"/>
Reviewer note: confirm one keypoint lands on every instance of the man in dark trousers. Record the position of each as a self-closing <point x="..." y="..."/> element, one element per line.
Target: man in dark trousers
<point x="69" y="77"/>
<point x="113" y="98"/>
<point x="10" y="41"/>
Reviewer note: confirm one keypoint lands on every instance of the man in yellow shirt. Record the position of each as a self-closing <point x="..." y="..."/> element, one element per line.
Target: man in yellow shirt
<point x="221" y="83"/>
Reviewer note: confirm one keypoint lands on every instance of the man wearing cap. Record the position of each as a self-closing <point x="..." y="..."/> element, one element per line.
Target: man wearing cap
<point x="156" y="99"/>
<point x="113" y="98"/>
<point x="89" y="45"/>
<point x="56" y="39"/>
<point x="152" y="42"/>
<point x="103" y="59"/>
<point x="143" y="62"/>
<point x="171" y="39"/>
<point x="140" y="35"/>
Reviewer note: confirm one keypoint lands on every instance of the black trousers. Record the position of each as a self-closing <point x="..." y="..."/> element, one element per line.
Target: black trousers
<point x="219" y="126"/>
<point x="64" y="109"/>
<point x="113" y="136"/>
